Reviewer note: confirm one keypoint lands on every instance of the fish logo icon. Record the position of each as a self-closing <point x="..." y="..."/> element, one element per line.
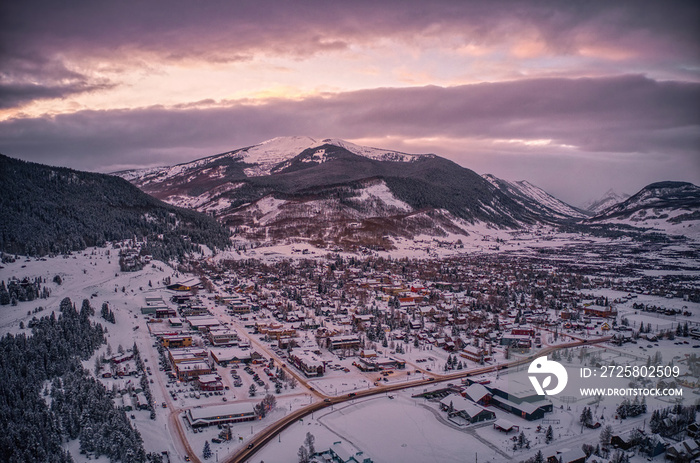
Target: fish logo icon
<point x="542" y="366"/>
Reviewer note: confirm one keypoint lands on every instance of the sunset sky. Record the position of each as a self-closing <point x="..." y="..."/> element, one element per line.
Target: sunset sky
<point x="574" y="96"/>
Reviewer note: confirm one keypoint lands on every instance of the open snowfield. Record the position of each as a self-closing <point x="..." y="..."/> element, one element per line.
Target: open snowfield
<point x="408" y="429"/>
<point x="386" y="430"/>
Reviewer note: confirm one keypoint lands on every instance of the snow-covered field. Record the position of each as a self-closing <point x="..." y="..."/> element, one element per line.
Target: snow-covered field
<point x="402" y="429"/>
<point x="413" y="429"/>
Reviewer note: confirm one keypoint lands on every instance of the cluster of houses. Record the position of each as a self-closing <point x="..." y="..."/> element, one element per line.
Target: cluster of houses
<point x="474" y="402"/>
<point x="195" y="340"/>
<point x="127" y="390"/>
<point x="131" y="259"/>
<point x="474" y="309"/>
<point x="470" y="309"/>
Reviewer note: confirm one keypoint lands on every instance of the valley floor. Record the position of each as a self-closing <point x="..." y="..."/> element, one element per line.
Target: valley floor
<point x="389" y="427"/>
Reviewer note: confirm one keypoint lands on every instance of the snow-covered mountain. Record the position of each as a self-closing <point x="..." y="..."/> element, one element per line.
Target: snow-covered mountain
<point x="610" y="198"/>
<point x="330" y="190"/>
<point x="669" y="207"/>
<point x="274" y="188"/>
<point x="271" y="156"/>
<point x="364" y="214"/>
<point x="536" y="200"/>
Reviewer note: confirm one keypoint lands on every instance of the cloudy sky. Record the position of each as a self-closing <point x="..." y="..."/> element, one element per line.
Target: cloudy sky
<point x="576" y="97"/>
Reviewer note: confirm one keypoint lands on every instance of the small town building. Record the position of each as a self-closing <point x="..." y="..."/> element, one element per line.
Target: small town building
<point x="236" y="355"/>
<point x="222" y="336"/>
<point x="176" y="341"/>
<point x="525" y="403"/>
<point x="210" y="382"/>
<point x="220" y="414"/>
<point x="478" y="393"/>
<point x="152" y="304"/>
<point x="344" y="342"/>
<point x="475" y="354"/>
<point x="308" y="362"/>
<point x="165" y="312"/>
<point x="186" y="371"/>
<point x="683" y="451"/>
<point x="203" y="323"/>
<point x="456" y="405"/>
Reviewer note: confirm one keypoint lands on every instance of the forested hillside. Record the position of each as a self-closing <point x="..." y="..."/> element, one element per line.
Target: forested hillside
<point x="47" y="398"/>
<point x="52" y="210"/>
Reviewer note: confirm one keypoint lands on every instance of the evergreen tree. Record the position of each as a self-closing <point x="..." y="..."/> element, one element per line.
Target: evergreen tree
<point x="606" y="435"/>
<point x="521" y="439"/>
<point x="4" y="294"/>
<point x="80" y="406"/>
<point x="583" y="419"/>
<point x="206" y="452"/>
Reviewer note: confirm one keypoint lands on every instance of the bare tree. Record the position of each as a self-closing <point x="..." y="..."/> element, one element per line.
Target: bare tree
<point x="309" y="442"/>
<point x="303" y="455"/>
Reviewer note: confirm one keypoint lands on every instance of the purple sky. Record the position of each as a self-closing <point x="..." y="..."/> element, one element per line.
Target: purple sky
<point x="576" y="97"/>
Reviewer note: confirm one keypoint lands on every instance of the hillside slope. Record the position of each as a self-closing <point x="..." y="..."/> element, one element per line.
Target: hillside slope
<point x="52" y="209"/>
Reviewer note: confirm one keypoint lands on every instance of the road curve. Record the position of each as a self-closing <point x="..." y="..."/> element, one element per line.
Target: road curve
<point x="271" y="431"/>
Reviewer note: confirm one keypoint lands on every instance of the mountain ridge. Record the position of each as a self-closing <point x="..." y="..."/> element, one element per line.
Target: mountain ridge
<point x="537" y="199"/>
<point x="659" y="195"/>
<point x="46" y="209"/>
<point x="330" y="162"/>
<point x="333" y="190"/>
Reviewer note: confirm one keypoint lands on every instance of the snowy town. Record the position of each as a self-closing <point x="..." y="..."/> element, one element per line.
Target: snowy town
<point x="237" y="357"/>
<point x="350" y="232"/>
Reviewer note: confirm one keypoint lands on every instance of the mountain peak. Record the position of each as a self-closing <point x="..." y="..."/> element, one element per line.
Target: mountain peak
<point x="609" y="199"/>
<point x="260" y="160"/>
<point x="288" y="143"/>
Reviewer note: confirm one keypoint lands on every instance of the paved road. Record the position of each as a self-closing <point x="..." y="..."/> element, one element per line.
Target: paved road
<point x="271" y="431"/>
<point x="175" y="425"/>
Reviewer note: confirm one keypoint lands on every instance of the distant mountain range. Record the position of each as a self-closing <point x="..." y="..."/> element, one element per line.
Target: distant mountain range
<point x="609" y="199"/>
<point x="331" y="190"/>
<point x="326" y="192"/>
<point x="53" y="209"/>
